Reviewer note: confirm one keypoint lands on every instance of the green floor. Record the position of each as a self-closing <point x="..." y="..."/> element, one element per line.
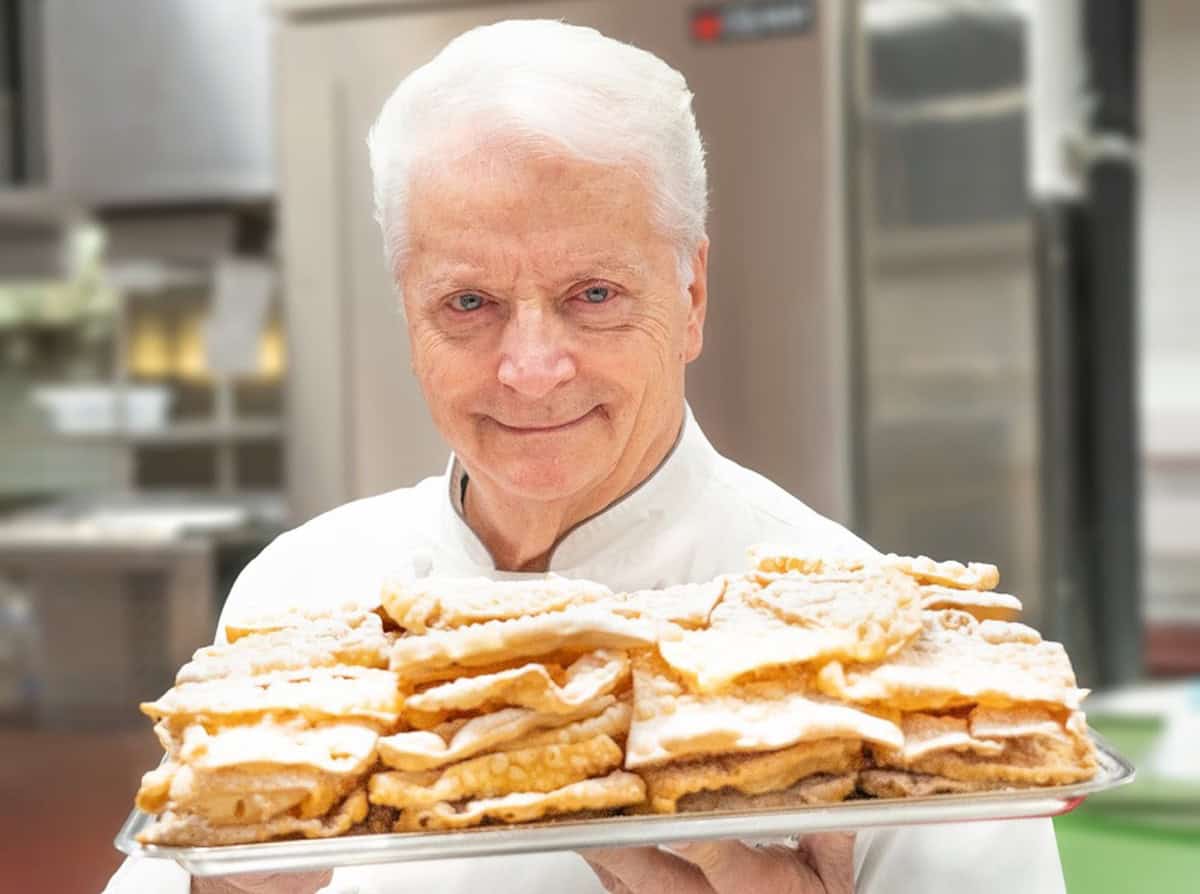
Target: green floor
<point x="1102" y="856"/>
<point x="1141" y="837"/>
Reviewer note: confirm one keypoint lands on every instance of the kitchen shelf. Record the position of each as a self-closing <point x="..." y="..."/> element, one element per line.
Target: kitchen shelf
<point x="195" y="432"/>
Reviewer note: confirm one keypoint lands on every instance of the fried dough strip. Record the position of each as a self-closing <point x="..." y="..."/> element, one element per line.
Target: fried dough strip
<point x="1028" y="761"/>
<point x="960" y="661"/>
<point x="796" y="621"/>
<point x="750" y="774"/>
<point x="581" y="629"/>
<point x="617" y="789"/>
<point x="426" y="749"/>
<point x="317" y="693"/>
<point x="339" y="748"/>
<point x="902" y="784"/>
<point x="183" y="830"/>
<point x="688" y="605"/>
<point x="327" y="643"/>
<point x="770" y="558"/>
<point x="542" y="768"/>
<point x="350" y="614"/>
<point x="530" y="686"/>
<point x="820" y="788"/>
<point x="671" y="722"/>
<point x="983" y="605"/>
<point x="445" y="603"/>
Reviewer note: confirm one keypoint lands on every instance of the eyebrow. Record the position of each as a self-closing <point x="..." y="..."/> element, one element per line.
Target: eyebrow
<point x="612" y="265"/>
<point x="467" y="275"/>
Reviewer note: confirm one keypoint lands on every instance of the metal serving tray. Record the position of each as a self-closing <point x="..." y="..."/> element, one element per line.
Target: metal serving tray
<point x="296" y="855"/>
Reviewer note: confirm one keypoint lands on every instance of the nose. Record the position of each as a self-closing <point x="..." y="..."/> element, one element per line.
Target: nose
<point x="534" y="355"/>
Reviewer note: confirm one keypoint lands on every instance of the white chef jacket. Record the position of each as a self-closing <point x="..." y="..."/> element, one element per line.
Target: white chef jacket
<point x="690" y="521"/>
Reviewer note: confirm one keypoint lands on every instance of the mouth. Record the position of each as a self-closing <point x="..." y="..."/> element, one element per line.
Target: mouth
<point x="545" y="429"/>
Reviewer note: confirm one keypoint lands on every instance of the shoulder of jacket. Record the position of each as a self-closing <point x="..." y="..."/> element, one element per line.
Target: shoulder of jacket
<point x="406" y="505"/>
<point x="337" y="553"/>
<point x="777" y="514"/>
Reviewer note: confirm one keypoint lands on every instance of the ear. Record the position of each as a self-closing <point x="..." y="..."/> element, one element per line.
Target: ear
<point x="697" y="303"/>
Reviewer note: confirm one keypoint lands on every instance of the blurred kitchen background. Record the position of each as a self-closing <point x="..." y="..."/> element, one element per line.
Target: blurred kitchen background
<point x="955" y="254"/>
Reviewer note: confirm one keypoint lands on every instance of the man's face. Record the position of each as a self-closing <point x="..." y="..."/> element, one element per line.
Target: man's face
<point x="549" y="328"/>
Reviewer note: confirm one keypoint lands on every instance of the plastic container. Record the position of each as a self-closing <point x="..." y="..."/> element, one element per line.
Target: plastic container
<point x="105" y="409"/>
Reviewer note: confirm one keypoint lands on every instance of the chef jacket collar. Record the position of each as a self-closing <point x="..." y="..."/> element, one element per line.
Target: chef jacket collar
<point x="665" y="490"/>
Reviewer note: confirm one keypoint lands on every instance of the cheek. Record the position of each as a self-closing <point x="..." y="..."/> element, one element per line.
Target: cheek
<point x="635" y="363"/>
<point x="446" y="369"/>
<point x="654" y="344"/>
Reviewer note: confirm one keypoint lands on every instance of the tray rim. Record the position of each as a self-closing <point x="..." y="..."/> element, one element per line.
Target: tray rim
<point x="392" y="847"/>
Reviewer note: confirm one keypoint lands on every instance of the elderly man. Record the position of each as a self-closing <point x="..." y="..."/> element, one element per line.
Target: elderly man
<point x="542" y="195"/>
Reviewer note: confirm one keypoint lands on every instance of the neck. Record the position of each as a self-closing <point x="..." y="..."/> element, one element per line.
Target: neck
<point x="521" y="534"/>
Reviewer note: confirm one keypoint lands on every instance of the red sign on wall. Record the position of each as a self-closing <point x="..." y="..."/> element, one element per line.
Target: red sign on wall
<point x="746" y="20"/>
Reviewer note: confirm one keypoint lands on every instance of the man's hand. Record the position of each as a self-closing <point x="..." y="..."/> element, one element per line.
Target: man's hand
<point x="264" y="883"/>
<point x="819" y="864"/>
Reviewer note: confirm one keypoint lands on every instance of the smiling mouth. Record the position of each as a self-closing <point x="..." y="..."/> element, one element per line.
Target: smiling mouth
<point x="545" y="429"/>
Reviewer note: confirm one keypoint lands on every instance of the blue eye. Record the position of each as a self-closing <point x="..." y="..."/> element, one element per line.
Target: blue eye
<point x="596" y="294"/>
<point x="467" y="301"/>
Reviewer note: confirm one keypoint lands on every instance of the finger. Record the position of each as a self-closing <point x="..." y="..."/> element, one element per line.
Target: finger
<point x="831" y="855"/>
<point x="731" y="866"/>
<point x="608" y="881"/>
<point x="648" y="870"/>
<point x="263" y="882"/>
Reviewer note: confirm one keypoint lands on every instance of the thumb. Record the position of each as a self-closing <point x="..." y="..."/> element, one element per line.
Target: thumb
<point x="831" y="855"/>
<point x="731" y="866"/>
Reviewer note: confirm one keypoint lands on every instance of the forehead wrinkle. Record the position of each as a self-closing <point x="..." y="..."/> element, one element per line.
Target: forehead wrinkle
<point x="471" y="263"/>
<point x="543" y="265"/>
<point x="527" y="234"/>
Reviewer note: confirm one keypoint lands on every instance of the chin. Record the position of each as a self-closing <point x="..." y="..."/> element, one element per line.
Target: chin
<point x="542" y="481"/>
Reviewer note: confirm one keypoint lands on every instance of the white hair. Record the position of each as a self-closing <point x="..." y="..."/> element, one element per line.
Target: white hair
<point x="546" y="83"/>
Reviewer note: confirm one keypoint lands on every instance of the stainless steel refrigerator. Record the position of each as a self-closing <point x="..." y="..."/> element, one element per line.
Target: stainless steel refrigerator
<point x="895" y="319"/>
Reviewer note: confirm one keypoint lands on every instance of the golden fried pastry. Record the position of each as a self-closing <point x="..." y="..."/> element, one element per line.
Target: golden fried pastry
<point x="589" y="677"/>
<point x="750" y="774"/>
<point x="671" y="722"/>
<point x="350" y="614"/>
<point x="1031" y="760"/>
<point x="688" y="605"/>
<point x="316" y="693"/>
<point x="186" y="829"/>
<point x="617" y="789"/>
<point x="901" y="784"/>
<point x="612" y="721"/>
<point x="799" y="683"/>
<point x="327" y="643"/>
<point x="972" y="576"/>
<point x="771" y="559"/>
<point x="536" y="769"/>
<point x="1027" y="745"/>
<point x="983" y="605"/>
<point x="957" y="660"/>
<point x="1026" y="720"/>
<point x="458" y="740"/>
<point x="927" y="733"/>
<point x="440" y="603"/>
<point x="581" y="629"/>
<point x="777" y="558"/>
<point x="331" y="747"/>
<point x="233" y="795"/>
<point x="820" y="788"/>
<point x="796" y="621"/>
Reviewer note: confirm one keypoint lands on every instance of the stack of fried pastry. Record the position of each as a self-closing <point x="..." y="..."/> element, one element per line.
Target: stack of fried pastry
<point x="519" y="695"/>
<point x="461" y="702"/>
<point x="274" y="733"/>
<point x="729" y="715"/>
<point x="982" y="702"/>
